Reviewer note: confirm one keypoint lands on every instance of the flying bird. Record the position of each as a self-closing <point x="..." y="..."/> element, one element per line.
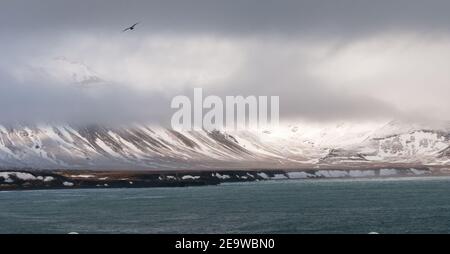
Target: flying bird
<point x="130" y="28"/>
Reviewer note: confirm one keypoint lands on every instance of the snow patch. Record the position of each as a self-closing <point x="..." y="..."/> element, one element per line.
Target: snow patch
<point x="361" y="173"/>
<point x="279" y="176"/>
<point x="331" y="173"/>
<point x="68" y="184"/>
<point x="189" y="177"/>
<point x="263" y="175"/>
<point x="387" y="172"/>
<point x="418" y="171"/>
<point x="298" y="175"/>
<point x="22" y="176"/>
<point x="222" y="176"/>
<point x="49" y="179"/>
<point x="82" y="176"/>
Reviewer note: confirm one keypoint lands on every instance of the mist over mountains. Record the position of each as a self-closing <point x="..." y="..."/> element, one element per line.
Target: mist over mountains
<point x="362" y="82"/>
<point x="100" y="144"/>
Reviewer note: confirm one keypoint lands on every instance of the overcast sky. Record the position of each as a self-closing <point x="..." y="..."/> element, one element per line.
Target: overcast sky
<point x="327" y="60"/>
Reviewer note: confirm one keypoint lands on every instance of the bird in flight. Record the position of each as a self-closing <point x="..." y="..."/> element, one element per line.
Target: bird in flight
<point x="130" y="28"/>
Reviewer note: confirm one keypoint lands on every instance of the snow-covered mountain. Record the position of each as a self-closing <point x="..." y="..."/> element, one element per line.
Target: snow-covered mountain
<point x="289" y="146"/>
<point x="74" y="72"/>
<point x="63" y="71"/>
<point x="149" y="147"/>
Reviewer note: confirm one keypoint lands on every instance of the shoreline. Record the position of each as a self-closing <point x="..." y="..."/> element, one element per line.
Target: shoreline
<point x="11" y="180"/>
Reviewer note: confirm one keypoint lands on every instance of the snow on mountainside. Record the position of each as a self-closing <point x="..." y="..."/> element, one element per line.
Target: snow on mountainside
<point x="147" y="147"/>
<point x="75" y="72"/>
<point x="63" y="71"/>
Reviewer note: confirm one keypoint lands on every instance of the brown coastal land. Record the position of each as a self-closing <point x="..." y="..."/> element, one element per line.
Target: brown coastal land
<point x="27" y="179"/>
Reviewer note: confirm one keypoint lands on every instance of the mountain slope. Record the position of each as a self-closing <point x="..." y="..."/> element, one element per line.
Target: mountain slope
<point x="147" y="147"/>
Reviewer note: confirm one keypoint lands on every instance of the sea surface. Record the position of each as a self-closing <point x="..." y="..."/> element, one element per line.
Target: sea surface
<point x="402" y="205"/>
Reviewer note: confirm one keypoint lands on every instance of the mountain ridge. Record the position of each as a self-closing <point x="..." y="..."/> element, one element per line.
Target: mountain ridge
<point x="151" y="147"/>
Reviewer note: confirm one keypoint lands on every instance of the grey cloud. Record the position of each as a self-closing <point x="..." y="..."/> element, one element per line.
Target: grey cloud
<point x="36" y="28"/>
<point x="44" y="101"/>
<point x="302" y="97"/>
<point x="286" y="17"/>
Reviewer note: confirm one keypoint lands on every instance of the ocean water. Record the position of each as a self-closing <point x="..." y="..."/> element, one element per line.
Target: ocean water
<point x="412" y="205"/>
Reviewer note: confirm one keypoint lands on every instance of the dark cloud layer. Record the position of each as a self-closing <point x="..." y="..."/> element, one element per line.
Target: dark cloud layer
<point x="46" y="102"/>
<point x="287" y="17"/>
<point x="267" y="35"/>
